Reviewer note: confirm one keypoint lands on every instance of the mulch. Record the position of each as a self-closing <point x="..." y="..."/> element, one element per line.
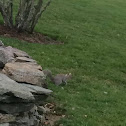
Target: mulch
<point x="32" y="38"/>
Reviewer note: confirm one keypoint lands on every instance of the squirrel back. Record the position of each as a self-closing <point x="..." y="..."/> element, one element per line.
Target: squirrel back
<point x="62" y="78"/>
<point x="59" y="78"/>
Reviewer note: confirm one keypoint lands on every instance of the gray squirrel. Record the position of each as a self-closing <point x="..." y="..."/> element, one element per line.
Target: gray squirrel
<point x="59" y="78"/>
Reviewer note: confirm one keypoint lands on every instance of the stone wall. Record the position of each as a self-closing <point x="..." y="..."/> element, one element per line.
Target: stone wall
<point x="21" y="89"/>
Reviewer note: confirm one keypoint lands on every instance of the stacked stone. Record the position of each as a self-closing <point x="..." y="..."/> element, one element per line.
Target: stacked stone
<point x="19" y="66"/>
<point x="21" y="91"/>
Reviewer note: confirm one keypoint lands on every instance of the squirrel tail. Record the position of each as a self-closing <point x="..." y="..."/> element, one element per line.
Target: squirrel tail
<point x="48" y="73"/>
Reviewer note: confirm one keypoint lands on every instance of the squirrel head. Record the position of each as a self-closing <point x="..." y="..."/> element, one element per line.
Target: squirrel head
<point x="69" y="75"/>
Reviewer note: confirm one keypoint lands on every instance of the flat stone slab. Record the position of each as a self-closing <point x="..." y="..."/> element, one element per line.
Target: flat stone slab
<point x="25" y="73"/>
<point x="24" y="59"/>
<point x="19" y="90"/>
<point x="19" y="53"/>
<point x="16" y="108"/>
<point x="8" y="54"/>
<point x="10" y="86"/>
<point x="16" y="97"/>
<point x="4" y="124"/>
<point x="37" y="89"/>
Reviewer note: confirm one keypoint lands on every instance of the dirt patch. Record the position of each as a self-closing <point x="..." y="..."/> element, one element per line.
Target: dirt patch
<point x="33" y="38"/>
<point x="51" y="119"/>
<point x="53" y="115"/>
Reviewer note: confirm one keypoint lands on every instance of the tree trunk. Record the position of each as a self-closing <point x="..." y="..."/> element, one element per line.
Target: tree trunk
<point x="6" y="9"/>
<point x="25" y="10"/>
<point x="39" y="9"/>
<point x="27" y="16"/>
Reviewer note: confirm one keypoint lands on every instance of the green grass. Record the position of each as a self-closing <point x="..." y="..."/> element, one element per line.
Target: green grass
<point x="94" y="32"/>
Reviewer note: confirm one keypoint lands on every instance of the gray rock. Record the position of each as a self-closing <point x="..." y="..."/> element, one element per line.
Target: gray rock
<point x="6" y="55"/>
<point x="37" y="89"/>
<point x="25" y="72"/>
<point x="11" y="91"/>
<point x="9" y="86"/>
<point x="4" y="124"/>
<point x="24" y="59"/>
<point x="31" y="118"/>
<point x="9" y="51"/>
<point x="19" y="53"/>
<point x="40" y="94"/>
<point x="16" y="98"/>
<point x="20" y="100"/>
<point x="15" y="107"/>
<point x="10" y="98"/>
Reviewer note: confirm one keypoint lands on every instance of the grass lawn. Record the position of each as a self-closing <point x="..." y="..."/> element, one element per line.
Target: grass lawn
<point x="94" y="32"/>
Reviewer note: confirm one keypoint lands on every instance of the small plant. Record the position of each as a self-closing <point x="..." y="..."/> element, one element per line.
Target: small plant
<point x="29" y="12"/>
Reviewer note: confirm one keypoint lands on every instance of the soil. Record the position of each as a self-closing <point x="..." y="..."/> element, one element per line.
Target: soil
<point x="51" y="119"/>
<point x="33" y="38"/>
<point x="53" y="115"/>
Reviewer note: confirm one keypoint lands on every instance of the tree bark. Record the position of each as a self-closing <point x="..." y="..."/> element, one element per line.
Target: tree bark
<point x="27" y="15"/>
<point x="39" y="10"/>
<point x="6" y="9"/>
<point x="24" y="11"/>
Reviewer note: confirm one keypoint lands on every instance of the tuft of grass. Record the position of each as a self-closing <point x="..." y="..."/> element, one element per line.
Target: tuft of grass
<point x="94" y="32"/>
